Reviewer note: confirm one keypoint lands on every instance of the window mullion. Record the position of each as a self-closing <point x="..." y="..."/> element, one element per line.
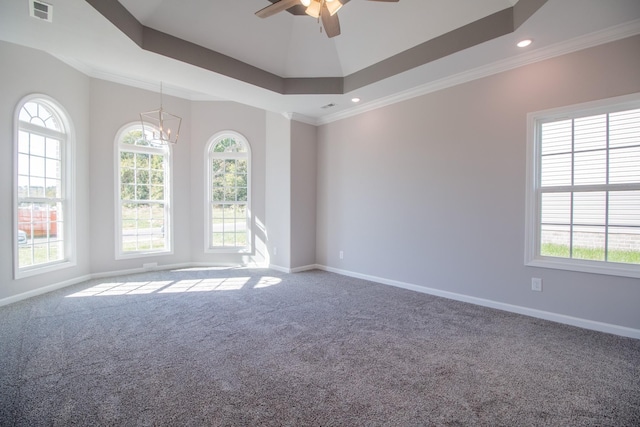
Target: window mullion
<point x="573" y="168"/>
<point x="606" y="206"/>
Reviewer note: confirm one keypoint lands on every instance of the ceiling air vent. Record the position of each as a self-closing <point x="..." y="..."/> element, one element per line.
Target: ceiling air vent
<point x="328" y="106"/>
<point x="41" y="10"/>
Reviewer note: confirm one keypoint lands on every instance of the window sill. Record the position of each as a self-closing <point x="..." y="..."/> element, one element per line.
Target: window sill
<point x="584" y="266"/>
<point x="43" y="269"/>
<point x="218" y="250"/>
<point x="132" y="255"/>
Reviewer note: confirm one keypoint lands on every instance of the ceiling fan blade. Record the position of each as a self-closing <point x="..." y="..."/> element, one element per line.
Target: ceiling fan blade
<point x="272" y="9"/>
<point x="330" y="23"/>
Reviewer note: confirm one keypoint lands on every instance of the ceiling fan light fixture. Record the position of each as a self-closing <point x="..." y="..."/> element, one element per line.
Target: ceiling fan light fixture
<point x="524" y="43"/>
<point x="314" y="9"/>
<point x="305" y="3"/>
<point x="333" y="6"/>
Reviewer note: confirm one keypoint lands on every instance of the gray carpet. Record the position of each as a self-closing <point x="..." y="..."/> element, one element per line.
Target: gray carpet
<point x="260" y="348"/>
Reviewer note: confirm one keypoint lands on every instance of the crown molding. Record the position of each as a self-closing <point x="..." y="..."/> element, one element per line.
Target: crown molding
<point x="597" y="38"/>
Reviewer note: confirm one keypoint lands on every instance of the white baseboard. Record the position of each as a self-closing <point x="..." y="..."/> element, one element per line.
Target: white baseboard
<point x="44" y="290"/>
<point x="540" y="314"/>
<point x="279" y="268"/>
<point x="295" y="269"/>
<point x="304" y="268"/>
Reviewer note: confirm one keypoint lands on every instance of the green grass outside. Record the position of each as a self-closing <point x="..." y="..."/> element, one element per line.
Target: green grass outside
<point x="144" y="245"/>
<point x="146" y="218"/>
<point x="562" y="251"/>
<point x="41" y="255"/>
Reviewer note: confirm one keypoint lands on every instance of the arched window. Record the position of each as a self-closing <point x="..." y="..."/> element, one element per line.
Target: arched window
<point x="43" y="190"/>
<point x="228" y="217"/>
<point x="143" y="199"/>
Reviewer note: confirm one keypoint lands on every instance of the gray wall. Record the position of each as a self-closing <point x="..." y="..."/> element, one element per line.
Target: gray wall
<point x="303" y="194"/>
<point x="431" y="191"/>
<point x="278" y="192"/>
<point x="23" y="72"/>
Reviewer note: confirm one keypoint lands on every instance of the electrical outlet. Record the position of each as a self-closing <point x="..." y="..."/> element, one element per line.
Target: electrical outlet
<point x="341" y="255"/>
<point x="275" y="250"/>
<point x="536" y="284"/>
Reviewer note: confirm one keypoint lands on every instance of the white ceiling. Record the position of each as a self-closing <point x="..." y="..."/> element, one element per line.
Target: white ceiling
<point x="292" y="46"/>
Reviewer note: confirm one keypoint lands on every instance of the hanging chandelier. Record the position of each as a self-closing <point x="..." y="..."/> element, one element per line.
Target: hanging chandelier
<point x="159" y="126"/>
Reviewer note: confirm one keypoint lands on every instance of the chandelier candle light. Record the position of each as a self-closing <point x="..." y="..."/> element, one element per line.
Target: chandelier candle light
<point x="163" y="127"/>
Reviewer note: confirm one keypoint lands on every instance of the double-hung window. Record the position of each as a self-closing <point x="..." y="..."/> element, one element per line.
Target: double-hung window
<point x="584" y="188"/>
<point x="228" y="165"/>
<point x="143" y="195"/>
<point x="43" y="192"/>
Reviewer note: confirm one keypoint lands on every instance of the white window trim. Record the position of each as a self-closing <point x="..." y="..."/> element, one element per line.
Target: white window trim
<point x="68" y="188"/>
<point x="532" y="219"/>
<point x="248" y="248"/>
<point x="119" y="254"/>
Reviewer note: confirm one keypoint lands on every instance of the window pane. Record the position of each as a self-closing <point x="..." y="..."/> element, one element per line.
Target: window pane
<point x="624" y="128"/>
<point x="36" y="166"/>
<point x="142" y="176"/>
<point x="556" y="137"/>
<point x="54" y="188"/>
<point x="127" y="176"/>
<point x="230" y="195"/>
<point x="555" y="241"/>
<point x="157" y="177"/>
<point x="556" y="208"/>
<point x="23" y="164"/>
<point x="590" y="133"/>
<point x="590" y="168"/>
<point x="589" y="208"/>
<point x="624" y="165"/>
<point x="53" y="148"/>
<point x="588" y="243"/>
<point x="37" y="146"/>
<point x="52" y="168"/>
<point x="36" y="187"/>
<point x="624" y="208"/>
<point x="157" y="192"/>
<point x="142" y="161"/>
<point x="23" y="186"/>
<point x="126" y="159"/>
<point x="555" y="170"/>
<point x="23" y="142"/>
<point x="218" y="195"/>
<point x="157" y="162"/>
<point x="217" y="239"/>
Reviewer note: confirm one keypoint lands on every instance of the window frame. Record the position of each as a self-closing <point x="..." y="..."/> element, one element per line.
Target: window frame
<point x="208" y="188"/>
<point x="68" y="190"/>
<point x="533" y="189"/>
<point x="168" y="193"/>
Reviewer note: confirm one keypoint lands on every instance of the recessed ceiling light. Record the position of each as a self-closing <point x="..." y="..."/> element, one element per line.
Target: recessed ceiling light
<point x="355" y="100"/>
<point x="524" y="43"/>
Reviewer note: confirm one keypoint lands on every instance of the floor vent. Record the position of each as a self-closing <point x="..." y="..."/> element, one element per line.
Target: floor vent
<point x="41" y="10"/>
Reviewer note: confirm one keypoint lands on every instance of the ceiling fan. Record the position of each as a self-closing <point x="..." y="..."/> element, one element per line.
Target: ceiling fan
<point x="319" y="9"/>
